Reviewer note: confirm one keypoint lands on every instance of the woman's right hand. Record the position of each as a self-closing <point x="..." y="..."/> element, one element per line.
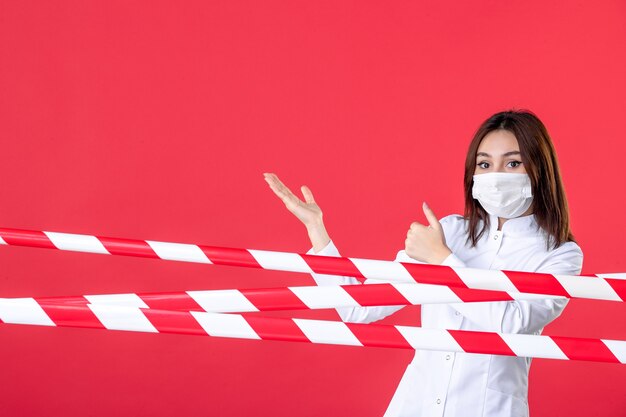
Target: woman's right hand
<point x="307" y="211"/>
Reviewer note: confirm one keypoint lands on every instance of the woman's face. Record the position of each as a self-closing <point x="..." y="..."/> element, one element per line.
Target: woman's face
<point x="499" y="152"/>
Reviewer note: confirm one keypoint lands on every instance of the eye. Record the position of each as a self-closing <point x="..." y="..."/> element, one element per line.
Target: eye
<point x="483" y="165"/>
<point x="514" y="164"/>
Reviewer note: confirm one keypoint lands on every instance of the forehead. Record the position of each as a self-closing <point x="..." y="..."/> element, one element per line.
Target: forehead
<point x="498" y="142"/>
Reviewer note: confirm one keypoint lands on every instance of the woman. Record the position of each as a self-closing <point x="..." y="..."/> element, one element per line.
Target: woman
<point x="516" y="218"/>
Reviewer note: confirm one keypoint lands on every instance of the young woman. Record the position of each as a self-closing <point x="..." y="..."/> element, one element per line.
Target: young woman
<point x="516" y="218"/>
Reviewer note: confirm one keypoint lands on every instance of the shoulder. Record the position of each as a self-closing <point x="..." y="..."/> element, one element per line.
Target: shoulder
<point x="453" y="220"/>
<point x="567" y="249"/>
<point x="453" y="225"/>
<point x="565" y="259"/>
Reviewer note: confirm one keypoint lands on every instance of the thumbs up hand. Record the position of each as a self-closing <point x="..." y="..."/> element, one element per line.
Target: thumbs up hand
<point x="427" y="243"/>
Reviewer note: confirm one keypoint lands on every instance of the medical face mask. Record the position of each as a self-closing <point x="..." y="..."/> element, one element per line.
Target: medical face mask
<point x="503" y="194"/>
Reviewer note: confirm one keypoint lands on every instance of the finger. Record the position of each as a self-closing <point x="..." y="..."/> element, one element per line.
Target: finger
<point x="417" y="232"/>
<point x="416" y="225"/>
<point x="284" y="188"/>
<point x="275" y="187"/>
<point x="308" y="195"/>
<point x="289" y="200"/>
<point x="430" y="216"/>
<point x="281" y="189"/>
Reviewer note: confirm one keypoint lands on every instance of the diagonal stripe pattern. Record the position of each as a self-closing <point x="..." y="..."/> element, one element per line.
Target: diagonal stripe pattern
<point x="288" y="298"/>
<point x="613" y="289"/>
<point x="116" y="317"/>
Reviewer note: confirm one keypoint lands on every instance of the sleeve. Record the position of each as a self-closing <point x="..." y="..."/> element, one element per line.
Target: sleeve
<point x="524" y="316"/>
<point x="351" y="314"/>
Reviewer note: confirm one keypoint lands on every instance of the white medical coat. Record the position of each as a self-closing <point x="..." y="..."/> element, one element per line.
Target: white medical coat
<point x="449" y="384"/>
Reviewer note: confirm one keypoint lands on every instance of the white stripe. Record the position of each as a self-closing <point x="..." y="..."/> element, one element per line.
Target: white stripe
<point x="128" y="300"/>
<point x="280" y="261"/>
<point x="23" y="311"/>
<point x="178" y="252"/>
<point x="429" y="339"/>
<point x="324" y="297"/>
<point x="533" y="346"/>
<point x="383" y="271"/>
<point x="222" y="301"/>
<point x="329" y="332"/>
<point x="122" y="318"/>
<point x="588" y="287"/>
<point x="225" y="325"/>
<point x="620" y="275"/>
<point x="485" y="279"/>
<point x="76" y="242"/>
<point x="2" y="242"/>
<point x="425" y="293"/>
<point x="618" y="347"/>
<point x="528" y="296"/>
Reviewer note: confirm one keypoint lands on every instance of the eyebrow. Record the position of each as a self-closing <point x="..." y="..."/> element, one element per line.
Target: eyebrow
<point x="504" y="154"/>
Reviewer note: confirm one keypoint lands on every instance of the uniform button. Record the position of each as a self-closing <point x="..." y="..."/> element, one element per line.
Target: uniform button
<point x="447" y="357"/>
<point x="495" y="237"/>
<point x="457" y="313"/>
<point x="438" y="401"/>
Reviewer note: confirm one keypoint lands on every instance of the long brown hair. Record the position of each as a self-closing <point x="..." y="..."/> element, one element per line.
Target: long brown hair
<point x="540" y="161"/>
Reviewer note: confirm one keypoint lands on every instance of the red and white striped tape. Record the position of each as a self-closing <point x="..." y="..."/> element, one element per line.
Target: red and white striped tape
<point x="506" y="281"/>
<point x="291" y="298"/>
<point x="26" y="311"/>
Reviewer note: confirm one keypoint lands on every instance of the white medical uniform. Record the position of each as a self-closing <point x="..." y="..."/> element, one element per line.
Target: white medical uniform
<point x="449" y="384"/>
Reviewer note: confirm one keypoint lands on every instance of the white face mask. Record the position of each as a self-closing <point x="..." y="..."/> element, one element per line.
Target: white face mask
<point x="503" y="194"/>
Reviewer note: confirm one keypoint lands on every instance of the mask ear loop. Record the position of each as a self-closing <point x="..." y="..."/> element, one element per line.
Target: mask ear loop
<point x="527" y="192"/>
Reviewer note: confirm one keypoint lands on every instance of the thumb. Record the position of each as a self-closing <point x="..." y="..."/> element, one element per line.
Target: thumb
<point x="308" y="195"/>
<point x="430" y="216"/>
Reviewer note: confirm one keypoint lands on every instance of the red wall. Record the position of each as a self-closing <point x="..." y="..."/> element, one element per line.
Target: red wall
<point x="155" y="120"/>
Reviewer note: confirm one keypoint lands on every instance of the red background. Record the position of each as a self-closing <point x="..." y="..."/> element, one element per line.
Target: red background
<point x="155" y="120"/>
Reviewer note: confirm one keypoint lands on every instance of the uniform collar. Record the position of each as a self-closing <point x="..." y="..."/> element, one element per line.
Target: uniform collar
<point x="524" y="225"/>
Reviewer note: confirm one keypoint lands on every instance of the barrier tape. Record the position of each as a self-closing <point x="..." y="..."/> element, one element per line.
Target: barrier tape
<point x="290" y="298"/>
<point x="506" y="281"/>
<point x="25" y="311"/>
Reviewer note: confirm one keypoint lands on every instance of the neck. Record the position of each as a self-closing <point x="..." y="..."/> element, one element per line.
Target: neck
<point x="502" y="220"/>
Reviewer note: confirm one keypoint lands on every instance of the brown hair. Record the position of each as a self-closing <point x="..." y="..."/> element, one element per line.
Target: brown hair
<point x="540" y="161"/>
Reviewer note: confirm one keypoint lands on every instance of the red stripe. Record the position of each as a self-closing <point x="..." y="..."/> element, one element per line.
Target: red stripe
<point x="129" y="247"/>
<point x="434" y="274"/>
<point x="273" y="299"/>
<point x="26" y="238"/>
<point x="619" y="286"/>
<point x="176" y="301"/>
<point x="333" y="266"/>
<point x="375" y="294"/>
<point x="536" y="283"/>
<point x="69" y="301"/>
<point x="471" y="295"/>
<point x="584" y="349"/>
<point x="229" y="256"/>
<point x="72" y="315"/>
<point x="481" y="342"/>
<point x="179" y="322"/>
<point x="275" y="328"/>
<point x="378" y="335"/>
